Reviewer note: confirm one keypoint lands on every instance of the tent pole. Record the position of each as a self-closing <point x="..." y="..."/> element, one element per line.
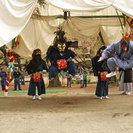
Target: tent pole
<point x="119" y="20"/>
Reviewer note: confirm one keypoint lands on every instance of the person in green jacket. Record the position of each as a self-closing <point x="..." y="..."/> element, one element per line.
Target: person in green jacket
<point x="85" y="79"/>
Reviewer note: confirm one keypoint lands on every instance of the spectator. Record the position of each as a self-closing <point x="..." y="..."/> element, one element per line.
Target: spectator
<point x="85" y="79"/>
<point x="3" y="76"/>
<point x="22" y="77"/>
<point x="81" y="78"/>
<point x="69" y="79"/>
<point x="16" y="75"/>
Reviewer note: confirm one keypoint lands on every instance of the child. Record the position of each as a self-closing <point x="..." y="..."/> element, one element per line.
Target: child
<point x="81" y="79"/>
<point x="22" y="77"/>
<point x="85" y="79"/>
<point x="69" y="78"/>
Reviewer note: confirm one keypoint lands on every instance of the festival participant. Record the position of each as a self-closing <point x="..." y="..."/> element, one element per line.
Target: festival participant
<point x="102" y="86"/>
<point x="35" y="68"/>
<point x="85" y="78"/>
<point x="125" y="81"/>
<point x="16" y="75"/>
<point x="69" y="79"/>
<point x="22" y="78"/>
<point x="81" y="78"/>
<point x="3" y="76"/>
<point x="58" y="56"/>
<point x="122" y="52"/>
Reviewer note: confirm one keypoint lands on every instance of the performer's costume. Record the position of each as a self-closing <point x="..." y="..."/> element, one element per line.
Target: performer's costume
<point x="36" y="66"/>
<point x="102" y="86"/>
<point x="125" y="81"/>
<point x="121" y="59"/>
<point x="58" y="56"/>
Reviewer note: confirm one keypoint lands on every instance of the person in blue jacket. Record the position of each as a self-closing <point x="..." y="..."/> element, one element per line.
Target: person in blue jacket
<point x="3" y="76"/>
<point x="122" y="52"/>
<point x="35" y="67"/>
<point x="16" y="75"/>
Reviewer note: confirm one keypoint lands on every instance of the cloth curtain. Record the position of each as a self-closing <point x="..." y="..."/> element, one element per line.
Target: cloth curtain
<point x="39" y="32"/>
<point x="125" y="6"/>
<point x="14" y="15"/>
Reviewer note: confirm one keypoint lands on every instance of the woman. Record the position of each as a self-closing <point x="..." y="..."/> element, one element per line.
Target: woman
<point x="35" y="68"/>
<point x="102" y="86"/>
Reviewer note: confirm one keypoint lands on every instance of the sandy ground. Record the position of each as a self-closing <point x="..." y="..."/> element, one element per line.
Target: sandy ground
<point x="77" y="110"/>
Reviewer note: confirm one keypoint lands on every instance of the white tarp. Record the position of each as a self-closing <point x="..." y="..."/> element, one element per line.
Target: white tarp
<point x="125" y="6"/>
<point x="14" y="15"/>
<point x="39" y="32"/>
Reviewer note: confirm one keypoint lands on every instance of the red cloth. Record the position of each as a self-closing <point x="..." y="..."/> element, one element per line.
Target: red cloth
<point x="103" y="76"/>
<point x="62" y="64"/>
<point x="36" y="77"/>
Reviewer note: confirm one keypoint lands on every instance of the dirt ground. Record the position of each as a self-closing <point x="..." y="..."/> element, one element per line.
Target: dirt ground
<point x="76" y="110"/>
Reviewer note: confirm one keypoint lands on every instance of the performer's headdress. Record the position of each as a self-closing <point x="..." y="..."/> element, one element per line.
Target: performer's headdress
<point x="100" y="51"/>
<point x="126" y="36"/>
<point x="60" y="40"/>
<point x="36" y="52"/>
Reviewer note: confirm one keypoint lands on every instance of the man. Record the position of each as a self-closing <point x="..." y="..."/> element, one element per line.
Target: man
<point x="3" y="76"/>
<point x="122" y="52"/>
<point x="16" y="75"/>
<point x="59" y="56"/>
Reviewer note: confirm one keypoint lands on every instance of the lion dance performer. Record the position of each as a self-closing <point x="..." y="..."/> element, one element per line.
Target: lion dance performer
<point x="122" y="52"/>
<point x="35" y="68"/>
<point x="58" y="55"/>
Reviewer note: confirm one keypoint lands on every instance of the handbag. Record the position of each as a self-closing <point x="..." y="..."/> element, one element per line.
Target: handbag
<point x="103" y="76"/>
<point x="36" y="77"/>
<point x="62" y="64"/>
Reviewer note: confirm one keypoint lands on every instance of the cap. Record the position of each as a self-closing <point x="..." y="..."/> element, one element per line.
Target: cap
<point x="16" y="68"/>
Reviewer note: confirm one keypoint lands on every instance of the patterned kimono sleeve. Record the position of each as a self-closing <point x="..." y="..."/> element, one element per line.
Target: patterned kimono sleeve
<point x="73" y="54"/>
<point x="109" y="50"/>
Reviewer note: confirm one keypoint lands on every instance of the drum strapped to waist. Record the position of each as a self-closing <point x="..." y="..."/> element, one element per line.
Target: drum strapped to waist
<point x="103" y="76"/>
<point x="37" y="77"/>
<point x="62" y="64"/>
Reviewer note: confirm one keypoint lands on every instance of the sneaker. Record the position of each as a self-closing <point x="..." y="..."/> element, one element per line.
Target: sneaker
<point x="111" y="74"/>
<point x="128" y="93"/>
<point x="33" y="97"/>
<point x="106" y="97"/>
<point x="39" y="98"/>
<point x="51" y="79"/>
<point x="100" y="98"/>
<point x="124" y="93"/>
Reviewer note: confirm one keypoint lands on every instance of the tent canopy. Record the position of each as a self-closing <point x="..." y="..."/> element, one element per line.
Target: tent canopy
<point x="14" y="15"/>
<point x="39" y="32"/>
<point x="125" y="6"/>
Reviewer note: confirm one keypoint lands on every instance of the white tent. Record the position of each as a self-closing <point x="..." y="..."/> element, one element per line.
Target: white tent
<point x="14" y="15"/>
<point x="39" y="32"/>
